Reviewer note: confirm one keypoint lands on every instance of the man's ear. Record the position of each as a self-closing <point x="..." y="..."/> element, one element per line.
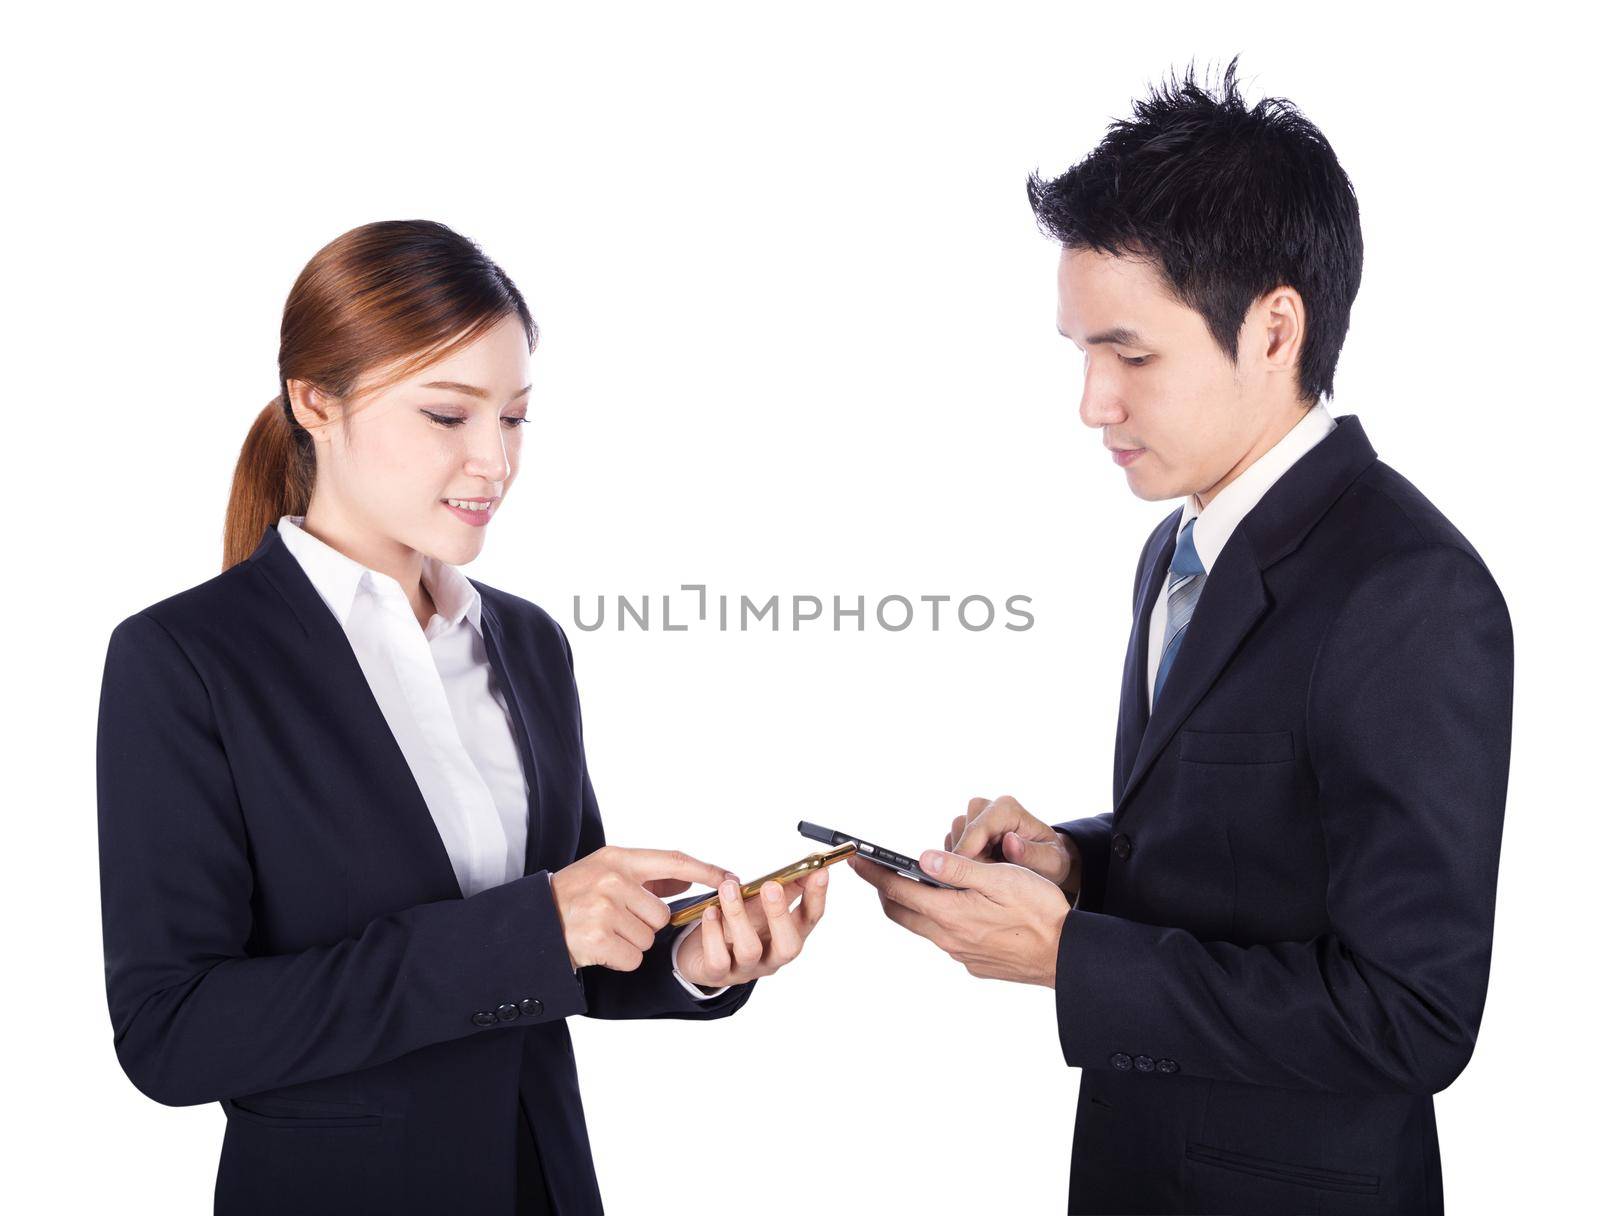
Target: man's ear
<point x="1284" y="314"/>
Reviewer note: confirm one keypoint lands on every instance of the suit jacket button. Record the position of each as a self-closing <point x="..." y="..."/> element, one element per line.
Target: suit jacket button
<point x="1168" y="1066"/>
<point x="508" y="1012"/>
<point x="1122" y="1061"/>
<point x="531" y="1007"/>
<point x="483" y="1018"/>
<point x="1144" y="1063"/>
<point x="1121" y="846"/>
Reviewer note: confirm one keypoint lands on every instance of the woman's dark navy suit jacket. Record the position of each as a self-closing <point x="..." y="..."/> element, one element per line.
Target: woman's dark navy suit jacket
<point x="284" y="932"/>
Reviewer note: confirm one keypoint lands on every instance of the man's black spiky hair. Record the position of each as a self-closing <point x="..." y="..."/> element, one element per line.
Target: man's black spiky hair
<point x="1227" y="201"/>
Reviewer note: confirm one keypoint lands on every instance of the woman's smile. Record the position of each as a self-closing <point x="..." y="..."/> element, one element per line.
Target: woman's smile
<point x="473" y="511"/>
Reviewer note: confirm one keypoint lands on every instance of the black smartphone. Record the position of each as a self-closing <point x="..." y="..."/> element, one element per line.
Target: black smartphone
<point x="898" y="862"/>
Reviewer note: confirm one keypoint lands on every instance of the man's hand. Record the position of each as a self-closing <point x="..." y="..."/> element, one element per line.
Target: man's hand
<point x="1002" y="828"/>
<point x="741" y="940"/>
<point x="1004" y="925"/>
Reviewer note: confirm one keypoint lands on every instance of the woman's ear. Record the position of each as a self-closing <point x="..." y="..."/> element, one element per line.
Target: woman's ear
<point x="312" y="408"/>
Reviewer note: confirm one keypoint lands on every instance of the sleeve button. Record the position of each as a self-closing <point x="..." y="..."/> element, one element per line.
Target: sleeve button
<point x="1144" y="1063"/>
<point x="483" y="1018"/>
<point x="533" y="1008"/>
<point x="1167" y="1066"/>
<point x="508" y="1012"/>
<point x="1122" y="1061"/>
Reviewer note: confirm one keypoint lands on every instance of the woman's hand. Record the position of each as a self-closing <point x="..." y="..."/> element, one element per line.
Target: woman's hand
<point x="741" y="940"/>
<point x="609" y="902"/>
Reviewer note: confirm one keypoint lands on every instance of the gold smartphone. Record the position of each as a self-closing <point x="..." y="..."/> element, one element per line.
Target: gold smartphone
<point x="690" y="913"/>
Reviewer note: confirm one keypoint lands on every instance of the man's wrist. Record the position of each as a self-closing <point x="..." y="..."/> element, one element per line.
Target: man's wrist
<point x="1048" y="971"/>
<point x="1072" y="884"/>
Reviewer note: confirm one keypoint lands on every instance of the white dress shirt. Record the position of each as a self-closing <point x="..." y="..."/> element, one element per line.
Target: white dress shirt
<point x="1215" y="524"/>
<point x="439" y="695"/>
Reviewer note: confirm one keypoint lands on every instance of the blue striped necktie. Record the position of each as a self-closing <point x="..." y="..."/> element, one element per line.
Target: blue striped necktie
<point x="1184" y="584"/>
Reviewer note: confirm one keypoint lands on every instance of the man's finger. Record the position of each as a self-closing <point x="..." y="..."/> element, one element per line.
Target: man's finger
<point x="905" y="891"/>
<point x="984" y="831"/>
<point x="645" y="865"/>
<point x="960" y="871"/>
<point x="1041" y="858"/>
<point x="908" y="918"/>
<point x="957" y="826"/>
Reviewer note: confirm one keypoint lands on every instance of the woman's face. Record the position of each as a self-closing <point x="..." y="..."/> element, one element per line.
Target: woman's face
<point x="425" y="463"/>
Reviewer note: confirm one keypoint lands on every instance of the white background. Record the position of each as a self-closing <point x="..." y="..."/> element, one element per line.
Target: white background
<point x="798" y="339"/>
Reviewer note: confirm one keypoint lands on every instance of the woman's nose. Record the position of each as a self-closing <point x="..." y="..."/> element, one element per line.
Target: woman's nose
<point x="487" y="457"/>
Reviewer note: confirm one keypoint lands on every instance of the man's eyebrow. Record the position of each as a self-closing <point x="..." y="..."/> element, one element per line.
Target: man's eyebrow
<point x="1117" y="335"/>
<point x="456" y="386"/>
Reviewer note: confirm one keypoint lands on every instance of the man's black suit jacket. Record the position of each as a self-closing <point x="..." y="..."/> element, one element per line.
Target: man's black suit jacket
<point x="284" y="932"/>
<point x="1281" y="949"/>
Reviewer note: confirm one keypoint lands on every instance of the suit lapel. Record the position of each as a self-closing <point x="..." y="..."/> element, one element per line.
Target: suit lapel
<point x="1232" y="601"/>
<point x="1234" y="598"/>
<point x="331" y="664"/>
<point x="1134" y="713"/>
<point x="516" y="701"/>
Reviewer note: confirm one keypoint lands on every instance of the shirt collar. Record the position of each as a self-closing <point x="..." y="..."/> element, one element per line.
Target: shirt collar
<point x="1215" y="524"/>
<point x="339" y="579"/>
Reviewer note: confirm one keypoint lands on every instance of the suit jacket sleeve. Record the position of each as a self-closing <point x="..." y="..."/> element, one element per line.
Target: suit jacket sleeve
<point x="1409" y="738"/>
<point x="198" y="1014"/>
<point x="650" y="991"/>
<point x="1093" y="838"/>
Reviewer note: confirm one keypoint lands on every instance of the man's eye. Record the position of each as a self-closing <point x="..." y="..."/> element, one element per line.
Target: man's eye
<point x="1136" y="361"/>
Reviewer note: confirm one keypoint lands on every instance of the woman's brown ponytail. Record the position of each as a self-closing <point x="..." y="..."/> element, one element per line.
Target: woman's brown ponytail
<point x="273" y="478"/>
<point x="391" y="296"/>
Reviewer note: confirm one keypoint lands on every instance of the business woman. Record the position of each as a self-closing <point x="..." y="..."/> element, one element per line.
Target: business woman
<point x="353" y="874"/>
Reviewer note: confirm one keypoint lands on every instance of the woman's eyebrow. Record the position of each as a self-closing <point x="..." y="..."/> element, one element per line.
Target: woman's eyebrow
<point x="471" y="390"/>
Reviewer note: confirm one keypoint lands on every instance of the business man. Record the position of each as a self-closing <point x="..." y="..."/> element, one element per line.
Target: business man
<point x="1278" y="939"/>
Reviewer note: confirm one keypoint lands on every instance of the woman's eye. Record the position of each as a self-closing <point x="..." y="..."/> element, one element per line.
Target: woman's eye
<point x="1136" y="361"/>
<point x="449" y="420"/>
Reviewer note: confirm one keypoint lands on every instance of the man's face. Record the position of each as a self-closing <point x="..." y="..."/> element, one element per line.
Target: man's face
<point x="1156" y="383"/>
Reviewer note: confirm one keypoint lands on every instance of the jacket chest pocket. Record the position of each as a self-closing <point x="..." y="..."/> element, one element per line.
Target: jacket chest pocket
<point x="1236" y="747"/>
<point x="1242" y="781"/>
<point x="1247" y="787"/>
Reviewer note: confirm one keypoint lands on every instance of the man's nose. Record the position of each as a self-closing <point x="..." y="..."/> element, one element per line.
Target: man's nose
<point x="1100" y="406"/>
